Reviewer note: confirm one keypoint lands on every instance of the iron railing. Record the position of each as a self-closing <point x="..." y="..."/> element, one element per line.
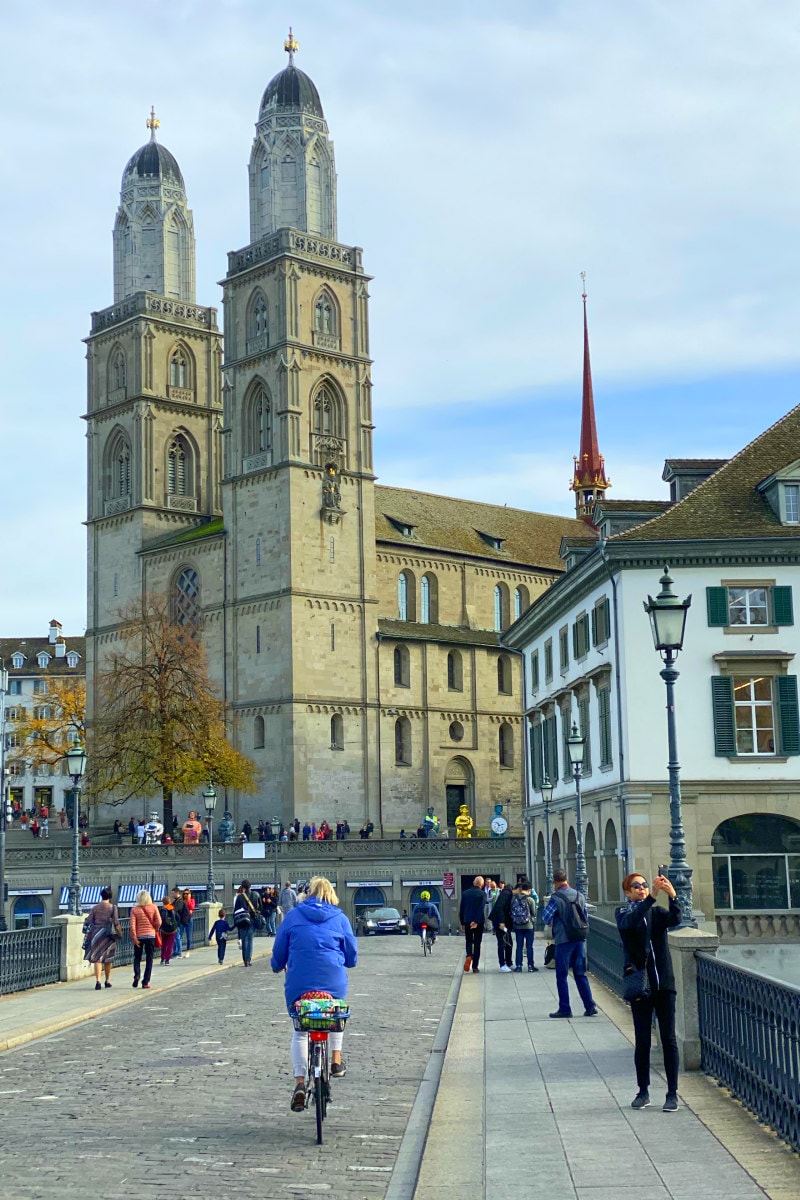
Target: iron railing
<point x="29" y="958"/>
<point x="750" y="1040"/>
<point x="124" y="952"/>
<point x="605" y="954"/>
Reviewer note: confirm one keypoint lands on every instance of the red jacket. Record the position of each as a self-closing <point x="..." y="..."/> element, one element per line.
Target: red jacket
<point x="145" y="922"/>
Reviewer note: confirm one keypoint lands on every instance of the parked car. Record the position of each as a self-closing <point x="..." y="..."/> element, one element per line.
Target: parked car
<point x="381" y="920"/>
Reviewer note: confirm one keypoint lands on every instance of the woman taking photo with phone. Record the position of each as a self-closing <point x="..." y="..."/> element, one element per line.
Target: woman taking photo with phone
<point x="643" y="929"/>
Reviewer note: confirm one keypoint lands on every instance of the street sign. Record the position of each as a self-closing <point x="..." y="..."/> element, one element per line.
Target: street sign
<point x="449" y="884"/>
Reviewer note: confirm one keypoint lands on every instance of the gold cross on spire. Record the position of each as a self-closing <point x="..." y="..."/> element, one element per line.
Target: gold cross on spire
<point x="291" y="46"/>
<point x="153" y="123"/>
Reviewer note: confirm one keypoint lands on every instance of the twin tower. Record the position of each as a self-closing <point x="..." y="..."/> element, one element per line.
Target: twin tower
<point x="240" y="484"/>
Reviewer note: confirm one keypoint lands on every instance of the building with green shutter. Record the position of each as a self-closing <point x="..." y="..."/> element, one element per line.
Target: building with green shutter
<point x="730" y="532"/>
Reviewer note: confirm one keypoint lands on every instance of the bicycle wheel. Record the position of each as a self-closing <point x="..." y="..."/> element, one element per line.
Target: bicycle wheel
<point x="320" y="1086"/>
<point x="426" y="946"/>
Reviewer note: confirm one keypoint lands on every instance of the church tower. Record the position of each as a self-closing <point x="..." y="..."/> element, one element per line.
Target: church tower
<point x="589" y="482"/>
<point x="154" y="392"/>
<point x="298" y="492"/>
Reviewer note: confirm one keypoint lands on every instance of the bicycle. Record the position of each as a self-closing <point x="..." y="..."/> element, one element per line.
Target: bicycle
<point x="318" y="1016"/>
<point x="427" y="941"/>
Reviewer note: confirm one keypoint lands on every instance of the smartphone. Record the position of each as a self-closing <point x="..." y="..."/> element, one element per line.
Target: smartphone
<point x="662" y="870"/>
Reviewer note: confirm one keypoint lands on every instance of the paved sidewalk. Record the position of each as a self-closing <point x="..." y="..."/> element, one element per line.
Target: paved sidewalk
<point x="531" y="1107"/>
<point x="25" y="1016"/>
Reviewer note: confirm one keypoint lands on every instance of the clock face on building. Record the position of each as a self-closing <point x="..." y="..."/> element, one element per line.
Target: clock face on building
<point x="499" y="825"/>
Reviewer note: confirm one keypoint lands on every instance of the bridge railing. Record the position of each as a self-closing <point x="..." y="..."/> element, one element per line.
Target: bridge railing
<point x="750" y="1040"/>
<point x="29" y="958"/>
<point x="604" y="951"/>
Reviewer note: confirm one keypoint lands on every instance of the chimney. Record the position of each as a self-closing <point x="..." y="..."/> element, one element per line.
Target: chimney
<point x="61" y="647"/>
<point x="55" y="631"/>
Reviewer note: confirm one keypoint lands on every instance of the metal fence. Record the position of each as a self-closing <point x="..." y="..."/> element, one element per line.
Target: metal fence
<point x="124" y="952"/>
<point x="604" y="952"/>
<point x="750" y="1041"/>
<point x="29" y="958"/>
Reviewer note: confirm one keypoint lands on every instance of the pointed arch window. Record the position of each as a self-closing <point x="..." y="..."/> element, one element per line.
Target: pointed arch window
<point x="118" y="468"/>
<point x="506" y="745"/>
<point x="521" y="601"/>
<point x="402" y="667"/>
<point x="504" y="675"/>
<point x="337" y="732"/>
<point x="402" y="742"/>
<point x="186" y="599"/>
<point x="328" y="413"/>
<point x="179" y="467"/>
<point x="501" y="598"/>
<point x="118" y="371"/>
<point x="257" y="425"/>
<point x="258" y="733"/>
<point x="325" y="315"/>
<point x="402" y="596"/>
<point x="455" y="672"/>
<point x="178" y="369"/>
<point x="257" y="323"/>
<point x="429" y="600"/>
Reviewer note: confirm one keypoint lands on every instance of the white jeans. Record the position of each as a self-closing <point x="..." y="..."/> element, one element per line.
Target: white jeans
<point x="300" y="1050"/>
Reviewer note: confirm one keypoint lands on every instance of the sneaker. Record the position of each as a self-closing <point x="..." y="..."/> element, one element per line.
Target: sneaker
<point x="506" y="969"/>
<point x="298" y="1098"/>
<point x="592" y="1012"/>
<point x="566" y="1016"/>
<point x="145" y="987"/>
<point x="467" y="963"/>
<point x="135" y="983"/>
<point x="338" y="1070"/>
<point x="476" y="970"/>
<point x="531" y="967"/>
<point x="517" y="970"/>
<point x="186" y="954"/>
<point x="641" y="1100"/>
<point x="671" y="1103"/>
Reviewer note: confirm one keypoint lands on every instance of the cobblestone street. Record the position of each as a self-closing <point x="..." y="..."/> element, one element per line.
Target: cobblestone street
<point x="188" y="1095"/>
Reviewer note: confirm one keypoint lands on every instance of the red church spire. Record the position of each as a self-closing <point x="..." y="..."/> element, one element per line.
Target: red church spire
<point x="589" y="480"/>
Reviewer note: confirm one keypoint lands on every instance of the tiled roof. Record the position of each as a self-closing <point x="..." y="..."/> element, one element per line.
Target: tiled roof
<point x="611" y="506"/>
<point x="443" y="523"/>
<point x="32" y="646"/>
<point x="727" y="505"/>
<point x="693" y="464"/>
<point x="415" y="631"/>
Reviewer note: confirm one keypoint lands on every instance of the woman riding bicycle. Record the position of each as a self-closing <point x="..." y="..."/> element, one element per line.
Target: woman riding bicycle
<point x="425" y="912"/>
<point x="315" y="944"/>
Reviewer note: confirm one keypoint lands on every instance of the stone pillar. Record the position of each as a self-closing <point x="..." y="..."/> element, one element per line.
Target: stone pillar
<point x="211" y="909"/>
<point x="73" y="965"/>
<point x="683" y="944"/>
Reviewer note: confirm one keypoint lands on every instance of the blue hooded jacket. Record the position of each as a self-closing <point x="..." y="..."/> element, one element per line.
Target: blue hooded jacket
<point x="317" y="943"/>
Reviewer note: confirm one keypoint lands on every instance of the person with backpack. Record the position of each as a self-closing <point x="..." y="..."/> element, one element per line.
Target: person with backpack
<point x="523" y="918"/>
<point x="427" y="913"/>
<point x="500" y="917"/>
<point x="169" y="927"/>
<point x="566" y="914"/>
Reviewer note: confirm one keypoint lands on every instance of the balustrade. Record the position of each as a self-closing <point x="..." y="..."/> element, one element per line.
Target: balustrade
<point x="29" y="958"/>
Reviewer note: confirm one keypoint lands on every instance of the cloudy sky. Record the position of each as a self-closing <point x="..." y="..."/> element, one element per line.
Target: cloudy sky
<point x="484" y="160"/>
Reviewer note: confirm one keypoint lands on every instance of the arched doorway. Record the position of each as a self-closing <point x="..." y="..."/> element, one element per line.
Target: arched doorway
<point x="28" y="912"/>
<point x="459" y="787"/>
<point x="368" y="897"/>
<point x="612" y="863"/>
<point x="756" y="862"/>
<point x="590" y="849"/>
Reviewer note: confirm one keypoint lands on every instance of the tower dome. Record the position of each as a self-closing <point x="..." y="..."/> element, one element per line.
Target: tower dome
<point x="292" y="171"/>
<point x="154" y="230"/>
<point x="291" y="90"/>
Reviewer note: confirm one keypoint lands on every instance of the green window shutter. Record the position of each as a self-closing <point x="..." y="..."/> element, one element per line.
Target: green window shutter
<point x="595" y="615"/>
<point x="551" y="749"/>
<point x="575" y="646"/>
<point x="788" y="719"/>
<point x="604" y="713"/>
<point x="606" y="611"/>
<point x="717" y="605"/>
<point x="722" y="711"/>
<point x="535" y="670"/>
<point x="536" y="756"/>
<point x="782" y="611"/>
<point x="585" y="634"/>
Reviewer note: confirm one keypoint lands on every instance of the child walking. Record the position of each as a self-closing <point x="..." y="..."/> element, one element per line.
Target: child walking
<point x="220" y="929"/>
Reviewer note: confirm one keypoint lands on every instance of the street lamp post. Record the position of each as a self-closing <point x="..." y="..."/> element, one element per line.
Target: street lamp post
<point x="210" y="800"/>
<point x="668" y="624"/>
<point x="575" y="747"/>
<point x="76" y="766"/>
<point x="547" y="797"/>
<point x="275" y="825"/>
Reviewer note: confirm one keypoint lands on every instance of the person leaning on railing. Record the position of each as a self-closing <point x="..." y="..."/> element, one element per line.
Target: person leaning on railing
<point x="643" y="929"/>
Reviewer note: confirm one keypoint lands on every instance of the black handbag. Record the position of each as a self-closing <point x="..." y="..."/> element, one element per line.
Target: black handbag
<point x="635" y="985"/>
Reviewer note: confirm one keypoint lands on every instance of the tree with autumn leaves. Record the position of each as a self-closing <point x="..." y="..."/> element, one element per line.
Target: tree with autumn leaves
<point x="57" y="718"/>
<point x="157" y="722"/>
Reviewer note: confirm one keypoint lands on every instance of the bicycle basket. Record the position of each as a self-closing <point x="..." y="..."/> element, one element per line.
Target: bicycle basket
<point x="327" y="1016"/>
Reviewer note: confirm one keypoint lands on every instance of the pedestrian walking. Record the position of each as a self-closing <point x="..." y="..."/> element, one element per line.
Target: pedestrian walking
<point x="471" y="916"/>
<point x="62" y="817"/>
<point x="186" y="921"/>
<point x="118" y="831"/>
<point x="101" y="931"/>
<point x="220" y="930"/>
<point x="566" y="913"/>
<point x="140" y="832"/>
<point x="288" y="898"/>
<point x="45" y="827"/>
<point x="269" y="907"/>
<point x="523" y="919"/>
<point x="643" y="929"/>
<point x="501" y="924"/>
<point x="179" y="905"/>
<point x="169" y="928"/>
<point x="145" y="924"/>
<point x="244" y="919"/>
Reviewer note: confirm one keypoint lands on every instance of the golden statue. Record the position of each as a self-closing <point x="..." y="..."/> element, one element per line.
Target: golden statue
<point x="464" y="823"/>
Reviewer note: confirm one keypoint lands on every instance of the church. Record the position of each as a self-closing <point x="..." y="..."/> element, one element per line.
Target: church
<point x="352" y="629"/>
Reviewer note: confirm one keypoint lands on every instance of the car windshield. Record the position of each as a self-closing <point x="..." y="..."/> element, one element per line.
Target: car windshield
<point x="382" y="914"/>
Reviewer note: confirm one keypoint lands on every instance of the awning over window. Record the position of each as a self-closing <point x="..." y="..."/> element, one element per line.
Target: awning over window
<point x="201" y="887"/>
<point x="90" y="895"/>
<point x="128" y="892"/>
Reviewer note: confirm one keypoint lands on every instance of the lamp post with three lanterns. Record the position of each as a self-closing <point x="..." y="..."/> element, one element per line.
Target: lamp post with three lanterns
<point x="76" y="766"/>
<point x="210" y="800"/>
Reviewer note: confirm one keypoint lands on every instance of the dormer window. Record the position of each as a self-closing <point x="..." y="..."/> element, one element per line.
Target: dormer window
<point x="43" y="659"/>
<point x="402" y="527"/>
<point x="791" y="503"/>
<point x="73" y="658"/>
<point x="18" y="661"/>
<point x="782" y="492"/>
<point x="494" y="543"/>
